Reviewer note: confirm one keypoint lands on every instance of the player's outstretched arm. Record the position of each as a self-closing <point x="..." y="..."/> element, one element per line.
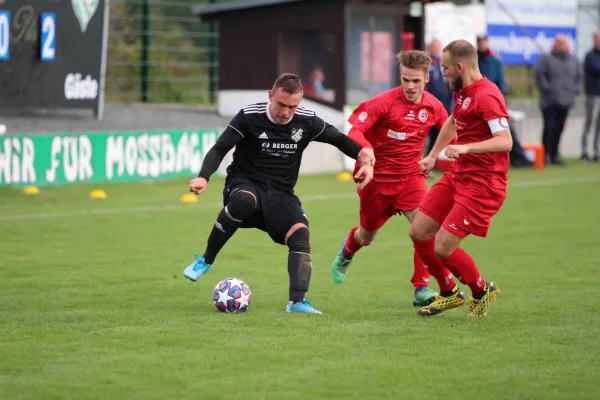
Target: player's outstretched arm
<point x="227" y="141"/>
<point x="352" y="149"/>
<point x="346" y="145"/>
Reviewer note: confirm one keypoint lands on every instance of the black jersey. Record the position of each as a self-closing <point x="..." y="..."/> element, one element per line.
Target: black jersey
<point x="271" y="153"/>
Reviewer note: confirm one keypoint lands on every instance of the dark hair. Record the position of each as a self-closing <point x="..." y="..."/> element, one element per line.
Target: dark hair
<point x="462" y="51"/>
<point x="289" y="83"/>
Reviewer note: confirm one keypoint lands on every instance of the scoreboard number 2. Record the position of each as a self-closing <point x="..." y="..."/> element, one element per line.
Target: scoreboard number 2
<point x="4" y="35"/>
<point x="48" y="36"/>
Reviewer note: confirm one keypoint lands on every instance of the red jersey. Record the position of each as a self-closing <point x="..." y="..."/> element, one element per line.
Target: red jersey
<point x="396" y="129"/>
<point x="475" y="105"/>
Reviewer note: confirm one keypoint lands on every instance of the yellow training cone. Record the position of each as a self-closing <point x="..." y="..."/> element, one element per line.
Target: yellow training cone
<point x="98" y="194"/>
<point x="188" y="198"/>
<point x="344" y="176"/>
<point x="31" y="190"/>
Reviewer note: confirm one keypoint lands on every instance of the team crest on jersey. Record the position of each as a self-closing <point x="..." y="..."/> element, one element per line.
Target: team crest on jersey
<point x="466" y="102"/>
<point x="296" y="134"/>
<point x="422" y="115"/>
<point x="363" y="116"/>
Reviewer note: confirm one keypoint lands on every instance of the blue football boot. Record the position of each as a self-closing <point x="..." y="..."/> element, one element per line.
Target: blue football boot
<point x="303" y="306"/>
<point x="196" y="269"/>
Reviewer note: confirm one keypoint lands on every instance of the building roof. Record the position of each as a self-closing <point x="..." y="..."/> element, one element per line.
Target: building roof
<point x="218" y="8"/>
<point x="229" y="6"/>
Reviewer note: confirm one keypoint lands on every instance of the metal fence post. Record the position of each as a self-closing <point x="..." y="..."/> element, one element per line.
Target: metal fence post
<point x="145" y="50"/>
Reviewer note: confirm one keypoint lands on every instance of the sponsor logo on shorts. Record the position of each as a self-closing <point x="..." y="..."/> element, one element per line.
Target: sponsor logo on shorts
<point x="466" y="221"/>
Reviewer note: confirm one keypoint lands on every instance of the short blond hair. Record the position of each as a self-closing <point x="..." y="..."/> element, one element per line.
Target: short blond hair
<point x="414" y="59"/>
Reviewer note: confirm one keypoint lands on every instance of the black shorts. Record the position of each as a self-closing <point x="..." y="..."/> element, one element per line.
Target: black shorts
<point x="277" y="210"/>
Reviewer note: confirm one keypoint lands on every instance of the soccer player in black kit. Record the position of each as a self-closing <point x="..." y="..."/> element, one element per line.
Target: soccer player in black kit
<point x="269" y="139"/>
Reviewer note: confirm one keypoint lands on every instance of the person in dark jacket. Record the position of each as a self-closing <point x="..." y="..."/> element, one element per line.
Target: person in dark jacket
<point x="558" y="78"/>
<point x="491" y="67"/>
<point x="437" y="86"/>
<point x="591" y="85"/>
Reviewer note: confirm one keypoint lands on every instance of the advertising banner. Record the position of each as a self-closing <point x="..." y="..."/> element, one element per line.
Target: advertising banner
<point x="61" y="159"/>
<point x="519" y="31"/>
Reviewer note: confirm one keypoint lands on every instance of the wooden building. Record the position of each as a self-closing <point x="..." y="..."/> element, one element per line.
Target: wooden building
<point x="344" y="50"/>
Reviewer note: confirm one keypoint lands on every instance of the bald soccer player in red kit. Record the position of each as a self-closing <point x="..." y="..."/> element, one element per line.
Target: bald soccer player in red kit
<point x="395" y="125"/>
<point x="466" y="198"/>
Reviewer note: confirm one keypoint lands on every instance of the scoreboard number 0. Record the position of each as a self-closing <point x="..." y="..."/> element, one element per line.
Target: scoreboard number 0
<point x="48" y="36"/>
<point x="4" y="35"/>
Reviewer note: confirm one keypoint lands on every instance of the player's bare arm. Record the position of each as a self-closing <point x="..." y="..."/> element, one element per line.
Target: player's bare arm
<point x="352" y="149"/>
<point x="447" y="133"/>
<point x="501" y="141"/>
<point x="227" y="141"/>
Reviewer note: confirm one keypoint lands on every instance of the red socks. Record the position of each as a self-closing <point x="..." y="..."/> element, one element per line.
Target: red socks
<point x="351" y="246"/>
<point x="426" y="251"/>
<point x="420" y="275"/>
<point x="465" y="269"/>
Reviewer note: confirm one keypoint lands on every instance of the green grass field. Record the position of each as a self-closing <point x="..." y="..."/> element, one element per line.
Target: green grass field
<point x="94" y="304"/>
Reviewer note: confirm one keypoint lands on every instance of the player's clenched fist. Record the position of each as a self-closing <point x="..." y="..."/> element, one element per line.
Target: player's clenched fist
<point x="198" y="185"/>
<point x="427" y="164"/>
<point x="366" y="156"/>
<point x="455" y="150"/>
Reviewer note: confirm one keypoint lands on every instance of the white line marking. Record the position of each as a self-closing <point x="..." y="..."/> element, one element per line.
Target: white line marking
<point x="304" y="199"/>
<point x="554" y="182"/>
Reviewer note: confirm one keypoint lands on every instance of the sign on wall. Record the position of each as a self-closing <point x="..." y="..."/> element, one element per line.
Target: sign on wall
<point x="446" y="22"/>
<point x="519" y="31"/>
<point x="60" y="159"/>
<point x="52" y="53"/>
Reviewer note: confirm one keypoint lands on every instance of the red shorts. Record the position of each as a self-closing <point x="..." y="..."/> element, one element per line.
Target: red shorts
<point x="380" y="201"/>
<point x="463" y="207"/>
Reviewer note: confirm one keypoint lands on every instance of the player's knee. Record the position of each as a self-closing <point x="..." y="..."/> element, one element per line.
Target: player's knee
<point x="299" y="241"/>
<point x="240" y="205"/>
<point x="442" y="250"/>
<point x="417" y="234"/>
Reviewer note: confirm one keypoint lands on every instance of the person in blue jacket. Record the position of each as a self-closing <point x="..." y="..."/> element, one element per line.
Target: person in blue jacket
<point x="591" y="86"/>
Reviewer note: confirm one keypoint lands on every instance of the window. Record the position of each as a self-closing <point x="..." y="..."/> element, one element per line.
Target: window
<point x="372" y="48"/>
<point x="311" y="55"/>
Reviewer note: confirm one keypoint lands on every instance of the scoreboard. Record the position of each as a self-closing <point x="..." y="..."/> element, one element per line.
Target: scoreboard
<point x="53" y="54"/>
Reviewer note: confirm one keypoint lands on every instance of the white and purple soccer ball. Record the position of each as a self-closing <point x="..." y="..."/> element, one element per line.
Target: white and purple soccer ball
<point x="232" y="295"/>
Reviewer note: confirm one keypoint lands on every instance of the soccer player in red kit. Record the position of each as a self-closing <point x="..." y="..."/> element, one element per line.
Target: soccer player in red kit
<point x="465" y="199"/>
<point x="395" y="125"/>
